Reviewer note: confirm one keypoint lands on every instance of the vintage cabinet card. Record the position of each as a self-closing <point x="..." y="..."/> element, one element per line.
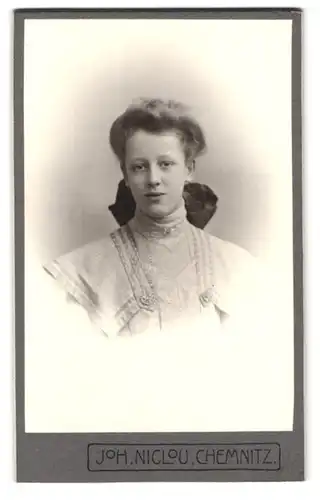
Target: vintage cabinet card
<point x="158" y="245"/>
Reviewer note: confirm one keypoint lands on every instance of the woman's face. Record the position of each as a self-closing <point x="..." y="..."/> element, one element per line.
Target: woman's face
<point x="156" y="171"/>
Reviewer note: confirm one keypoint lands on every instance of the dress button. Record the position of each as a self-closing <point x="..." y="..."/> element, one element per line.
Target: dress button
<point x="147" y="302"/>
<point x="144" y="300"/>
<point x="206" y="297"/>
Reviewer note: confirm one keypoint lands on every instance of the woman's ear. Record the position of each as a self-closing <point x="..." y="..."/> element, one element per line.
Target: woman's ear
<point x="191" y="169"/>
<point x="124" y="173"/>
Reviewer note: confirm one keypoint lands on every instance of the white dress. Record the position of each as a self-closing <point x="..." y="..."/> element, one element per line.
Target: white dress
<point x="176" y="342"/>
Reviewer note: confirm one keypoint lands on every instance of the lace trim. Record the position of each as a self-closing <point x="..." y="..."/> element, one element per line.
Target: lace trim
<point x="141" y="287"/>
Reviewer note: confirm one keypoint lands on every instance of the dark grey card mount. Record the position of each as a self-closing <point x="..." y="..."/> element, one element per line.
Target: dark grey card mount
<point x="201" y="456"/>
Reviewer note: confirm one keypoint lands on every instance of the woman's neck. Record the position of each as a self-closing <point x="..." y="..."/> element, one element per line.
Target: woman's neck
<point x="161" y="227"/>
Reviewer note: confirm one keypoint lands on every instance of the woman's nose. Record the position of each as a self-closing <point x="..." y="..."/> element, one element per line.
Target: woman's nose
<point x="154" y="177"/>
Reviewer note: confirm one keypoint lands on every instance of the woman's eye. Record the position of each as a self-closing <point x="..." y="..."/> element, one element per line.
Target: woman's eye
<point x="166" y="163"/>
<point x="138" y="167"/>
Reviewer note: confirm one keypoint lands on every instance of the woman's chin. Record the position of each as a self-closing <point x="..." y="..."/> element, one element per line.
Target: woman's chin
<point x="157" y="212"/>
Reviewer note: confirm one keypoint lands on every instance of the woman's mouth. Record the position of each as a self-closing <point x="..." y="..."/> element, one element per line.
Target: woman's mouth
<point x="154" y="195"/>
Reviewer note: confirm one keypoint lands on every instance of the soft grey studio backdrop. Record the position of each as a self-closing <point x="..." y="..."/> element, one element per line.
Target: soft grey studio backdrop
<point x="234" y="74"/>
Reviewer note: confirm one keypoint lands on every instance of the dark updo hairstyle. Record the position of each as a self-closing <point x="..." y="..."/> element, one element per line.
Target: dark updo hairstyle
<point x="156" y="116"/>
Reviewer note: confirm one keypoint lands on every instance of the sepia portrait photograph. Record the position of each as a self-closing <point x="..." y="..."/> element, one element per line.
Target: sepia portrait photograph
<point x="158" y="225"/>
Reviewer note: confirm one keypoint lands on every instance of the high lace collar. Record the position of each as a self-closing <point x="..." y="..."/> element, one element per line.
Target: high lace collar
<point x="165" y="227"/>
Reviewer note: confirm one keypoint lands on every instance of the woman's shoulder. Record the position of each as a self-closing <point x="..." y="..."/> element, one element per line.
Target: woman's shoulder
<point x="85" y="270"/>
<point x="86" y="259"/>
<point x="228" y="248"/>
<point x="229" y="255"/>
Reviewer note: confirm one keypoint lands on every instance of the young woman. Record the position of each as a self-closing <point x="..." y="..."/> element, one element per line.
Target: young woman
<point x="158" y="271"/>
